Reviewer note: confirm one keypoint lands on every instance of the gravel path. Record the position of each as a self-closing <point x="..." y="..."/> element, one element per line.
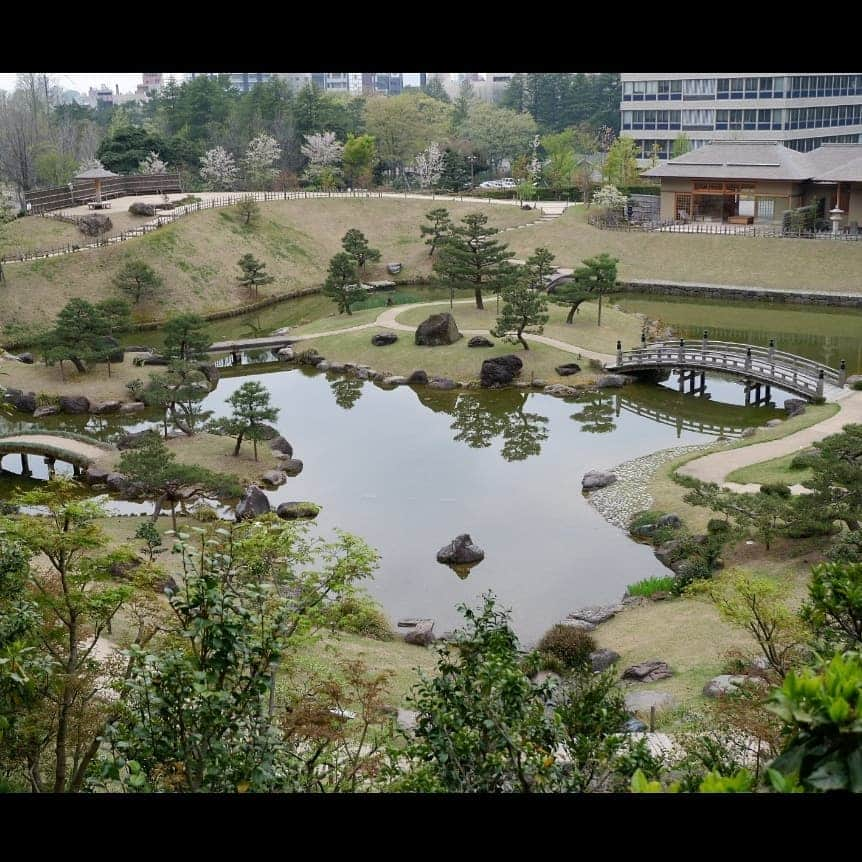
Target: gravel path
<point x="617" y="503"/>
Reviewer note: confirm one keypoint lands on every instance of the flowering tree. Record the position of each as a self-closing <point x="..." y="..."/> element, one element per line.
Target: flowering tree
<point x="262" y="153"/>
<point x="429" y="165"/>
<point x="324" y="153"/>
<point x="152" y="164"/>
<point x="218" y="168"/>
<point x="610" y="198"/>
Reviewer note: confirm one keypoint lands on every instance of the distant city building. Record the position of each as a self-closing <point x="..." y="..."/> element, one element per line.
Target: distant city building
<point x="800" y="111"/>
<point x="151" y="81"/>
<point x="354" y="83"/>
<point x="488" y="86"/>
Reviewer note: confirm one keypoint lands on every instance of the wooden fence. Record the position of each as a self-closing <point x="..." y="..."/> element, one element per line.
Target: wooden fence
<point x="721" y="229"/>
<point x="84" y="191"/>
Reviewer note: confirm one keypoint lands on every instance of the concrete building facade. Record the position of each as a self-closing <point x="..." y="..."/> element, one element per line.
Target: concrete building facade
<point x="801" y="111"/>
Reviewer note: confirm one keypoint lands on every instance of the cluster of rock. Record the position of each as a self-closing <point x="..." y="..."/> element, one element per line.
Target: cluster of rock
<point x="28" y="402"/>
<point x="254" y="503"/>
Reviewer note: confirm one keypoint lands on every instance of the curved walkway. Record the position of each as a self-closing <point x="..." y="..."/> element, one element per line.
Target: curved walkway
<point x="715" y="466"/>
<point x="388" y="319"/>
<point x="62" y="448"/>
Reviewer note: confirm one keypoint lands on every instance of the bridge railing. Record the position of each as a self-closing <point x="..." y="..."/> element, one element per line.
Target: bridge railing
<point x="806" y="380"/>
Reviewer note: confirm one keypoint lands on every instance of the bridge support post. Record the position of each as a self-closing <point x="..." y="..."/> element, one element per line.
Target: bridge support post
<point x="76" y="469"/>
<point x="767" y="397"/>
<point x="820" y="384"/>
<point x="25" y="465"/>
<point x="747" y="393"/>
<point x="702" y="382"/>
<point x="681" y="381"/>
<point x="236" y="359"/>
<point x="619" y="353"/>
<point x="49" y="463"/>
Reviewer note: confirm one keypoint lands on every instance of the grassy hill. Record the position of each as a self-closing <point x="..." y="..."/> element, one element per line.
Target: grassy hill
<point x="784" y="264"/>
<point x="197" y="255"/>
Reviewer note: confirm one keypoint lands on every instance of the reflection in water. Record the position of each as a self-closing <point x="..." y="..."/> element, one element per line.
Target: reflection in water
<point x="347" y="391"/>
<point x="597" y="417"/>
<point x="462" y="569"/>
<point x="480" y="419"/>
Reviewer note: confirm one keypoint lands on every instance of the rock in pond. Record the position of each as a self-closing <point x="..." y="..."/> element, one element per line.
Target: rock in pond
<point x="460" y="551"/>
<point x="596" y="614"/>
<point x="285" y="354"/>
<point x="501" y="370"/>
<point x="97" y="407"/>
<point x="480" y="341"/>
<point x="293" y="510"/>
<point x="23" y="401"/>
<point x="611" y="381"/>
<point x="292" y="466"/>
<point x="418" y="376"/>
<point x="597" y="479"/>
<point x="279" y="444"/>
<point x="568" y="369"/>
<point x="50" y="410"/>
<point x="560" y="390"/>
<point x="395" y="380"/>
<point x="253" y="503"/>
<point x="381" y="339"/>
<point x="442" y="383"/>
<point x="274" y="477"/>
<point x="436" y="330"/>
<point x="648" y="671"/>
<point x="581" y="625"/>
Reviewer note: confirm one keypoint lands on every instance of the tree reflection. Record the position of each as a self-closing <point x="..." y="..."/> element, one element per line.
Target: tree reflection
<point x="597" y="417"/>
<point x="481" y="419"/>
<point x="347" y="391"/>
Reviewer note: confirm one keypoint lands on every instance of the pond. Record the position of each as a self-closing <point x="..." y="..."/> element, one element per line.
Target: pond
<point x="825" y="335"/>
<point x="409" y="469"/>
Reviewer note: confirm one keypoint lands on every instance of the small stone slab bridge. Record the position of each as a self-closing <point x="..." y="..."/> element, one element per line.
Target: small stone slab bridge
<point x="757" y="366"/>
<point x="78" y="453"/>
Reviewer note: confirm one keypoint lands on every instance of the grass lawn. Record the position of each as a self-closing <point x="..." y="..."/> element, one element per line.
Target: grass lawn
<point x="457" y="361"/>
<point x="583" y="332"/>
<point x="34" y="232"/>
<point x="783" y="264"/>
<point x="95" y="384"/>
<point x="197" y="255"/>
<point x="776" y="470"/>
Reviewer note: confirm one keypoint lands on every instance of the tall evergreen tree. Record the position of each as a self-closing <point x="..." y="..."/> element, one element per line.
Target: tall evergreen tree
<point x="438" y="229"/>
<point x="356" y="245"/>
<point x="342" y="283"/>
<point x="186" y="337"/>
<point x="251" y="408"/>
<point x="473" y="258"/>
<point x="524" y="309"/>
<point x="253" y="275"/>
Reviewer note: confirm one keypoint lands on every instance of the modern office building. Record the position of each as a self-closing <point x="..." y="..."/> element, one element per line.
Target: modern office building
<point x="800" y="111"/>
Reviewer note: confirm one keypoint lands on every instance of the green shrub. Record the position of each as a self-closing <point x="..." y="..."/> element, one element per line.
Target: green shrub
<point x="649" y="586"/>
<point x="848" y="549"/>
<point x="776" y="489"/>
<point x="718" y="527"/>
<point x="536" y="661"/>
<point x="569" y="645"/>
<point x="641" y="519"/>
<point x="380" y="300"/>
<point x="804" y="459"/>
<point x="359" y="615"/>
<point x="696" y="569"/>
<point x="663" y="534"/>
<point x="810" y="528"/>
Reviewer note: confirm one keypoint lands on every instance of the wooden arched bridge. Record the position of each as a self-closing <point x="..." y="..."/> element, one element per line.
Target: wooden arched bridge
<point x="757" y="366"/>
<point x="78" y="452"/>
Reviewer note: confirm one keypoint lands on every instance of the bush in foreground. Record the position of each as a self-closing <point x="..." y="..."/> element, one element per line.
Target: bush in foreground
<point x="570" y="645"/>
<point x="649" y="586"/>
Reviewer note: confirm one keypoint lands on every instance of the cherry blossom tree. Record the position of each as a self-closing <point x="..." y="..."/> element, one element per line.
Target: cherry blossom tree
<point x="429" y="165"/>
<point x="152" y="164"/>
<point x="260" y="157"/>
<point x="218" y="168"/>
<point x="324" y="154"/>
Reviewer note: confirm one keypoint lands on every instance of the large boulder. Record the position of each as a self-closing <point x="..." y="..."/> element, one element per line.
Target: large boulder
<point x="460" y="552"/>
<point x="393" y="268"/>
<point x="500" y="370"/>
<point x="568" y="369"/>
<point x="436" y="330"/>
<point x="139" y="208"/>
<point x="97" y="407"/>
<point x="602" y="659"/>
<point x="25" y="402"/>
<point x="560" y="390"/>
<point x="418" y="376"/>
<point x="133" y="407"/>
<point x="381" y="339"/>
<point x="285" y="354"/>
<point x="253" y="503"/>
<point x="581" y="625"/>
<point x="210" y="371"/>
<point x="26" y="358"/>
<point x="611" y="381"/>
<point x="648" y="671"/>
<point x="293" y="510"/>
<point x="292" y="466"/>
<point x="669" y="520"/>
<point x="597" y="479"/>
<point x="725" y="684"/>
<point x="50" y="410"/>
<point x="117" y="483"/>
<point x="279" y="444"/>
<point x="794" y="407"/>
<point x="422" y="634"/>
<point x="480" y="341"/>
<point x="395" y="380"/>
<point x="95" y="475"/>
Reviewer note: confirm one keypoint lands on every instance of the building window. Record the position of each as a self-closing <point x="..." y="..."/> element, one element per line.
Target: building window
<point x="698" y="88"/>
<point x="676" y="90"/>
<point x="698" y="119"/>
<point x="722" y="88"/>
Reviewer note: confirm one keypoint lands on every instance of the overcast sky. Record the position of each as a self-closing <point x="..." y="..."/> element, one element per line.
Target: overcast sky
<point x="82" y="81"/>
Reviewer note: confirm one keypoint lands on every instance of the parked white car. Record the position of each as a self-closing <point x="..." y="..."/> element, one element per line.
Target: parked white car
<point x="505" y="183"/>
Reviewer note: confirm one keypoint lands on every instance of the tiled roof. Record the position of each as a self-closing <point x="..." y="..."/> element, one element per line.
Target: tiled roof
<point x="749" y="160"/>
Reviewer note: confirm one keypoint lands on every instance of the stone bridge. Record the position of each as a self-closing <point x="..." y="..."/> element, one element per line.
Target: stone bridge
<point x="79" y="453"/>
<point x="757" y="366"/>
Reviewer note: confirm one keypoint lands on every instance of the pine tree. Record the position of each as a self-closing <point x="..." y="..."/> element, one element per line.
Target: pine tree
<point x="439" y="229"/>
<point x="342" y="284"/>
<point x="524" y="309"/>
<point x="251" y="407"/>
<point x="540" y="264"/>
<point x="137" y="278"/>
<point x="356" y="245"/>
<point x="186" y="337"/>
<point x="253" y="275"/>
<point x="471" y="257"/>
